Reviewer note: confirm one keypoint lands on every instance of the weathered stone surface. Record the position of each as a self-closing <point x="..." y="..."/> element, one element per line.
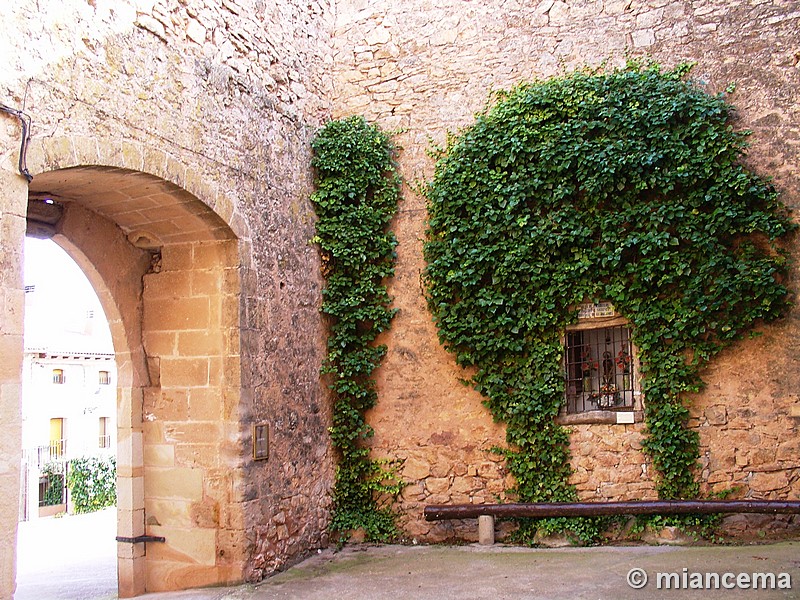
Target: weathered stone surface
<point x="414" y="469"/>
<point x="769" y="482"/>
<point x="219" y="100"/>
<point x="742" y="416"/>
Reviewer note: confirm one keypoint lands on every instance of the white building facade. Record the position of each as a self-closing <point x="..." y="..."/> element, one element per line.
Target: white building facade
<point x="69" y="388"/>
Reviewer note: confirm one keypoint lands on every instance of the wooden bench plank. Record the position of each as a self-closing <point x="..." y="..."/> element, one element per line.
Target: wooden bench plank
<point x="439" y="512"/>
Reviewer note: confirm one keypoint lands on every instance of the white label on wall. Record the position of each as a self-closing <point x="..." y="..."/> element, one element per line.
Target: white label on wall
<point x="624" y="418"/>
<point x="593" y="311"/>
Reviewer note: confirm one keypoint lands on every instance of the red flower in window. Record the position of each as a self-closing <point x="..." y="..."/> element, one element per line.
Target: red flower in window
<point x="623" y="361"/>
<point x="587" y="363"/>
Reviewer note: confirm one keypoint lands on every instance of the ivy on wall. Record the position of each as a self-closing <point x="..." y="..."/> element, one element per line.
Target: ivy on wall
<point x="624" y="186"/>
<point x="357" y="190"/>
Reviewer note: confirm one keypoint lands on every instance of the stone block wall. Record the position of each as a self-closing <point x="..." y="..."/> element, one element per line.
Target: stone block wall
<point x="425" y="68"/>
<point x="12" y="304"/>
<point x="190" y="417"/>
<point x="220" y="99"/>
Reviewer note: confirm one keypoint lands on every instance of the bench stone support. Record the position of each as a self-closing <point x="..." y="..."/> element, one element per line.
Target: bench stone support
<point x="486" y="530"/>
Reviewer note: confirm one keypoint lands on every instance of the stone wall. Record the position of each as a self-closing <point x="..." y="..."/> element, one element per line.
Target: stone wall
<point x="219" y="99"/>
<point x="426" y="68"/>
<point x="749" y="427"/>
<point x="12" y="305"/>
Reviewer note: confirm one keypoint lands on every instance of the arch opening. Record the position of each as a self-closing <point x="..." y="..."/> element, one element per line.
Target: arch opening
<point x="69" y="422"/>
<point x="166" y="269"/>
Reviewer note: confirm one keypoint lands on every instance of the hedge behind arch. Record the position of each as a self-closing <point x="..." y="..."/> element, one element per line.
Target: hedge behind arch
<point x="624" y="186"/>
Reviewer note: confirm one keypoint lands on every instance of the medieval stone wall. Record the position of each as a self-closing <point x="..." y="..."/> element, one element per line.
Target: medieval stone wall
<point x="220" y="99"/>
<point x="12" y="305"/>
<point x="425" y="68"/>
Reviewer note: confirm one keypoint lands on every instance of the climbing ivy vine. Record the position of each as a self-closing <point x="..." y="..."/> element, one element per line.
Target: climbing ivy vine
<point x="357" y="190"/>
<point x="622" y="185"/>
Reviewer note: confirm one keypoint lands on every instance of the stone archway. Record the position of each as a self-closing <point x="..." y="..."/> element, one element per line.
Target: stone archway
<point x="167" y="270"/>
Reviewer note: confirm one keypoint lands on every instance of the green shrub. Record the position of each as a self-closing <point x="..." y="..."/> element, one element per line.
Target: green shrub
<point x="356" y="198"/>
<point x="92" y="483"/>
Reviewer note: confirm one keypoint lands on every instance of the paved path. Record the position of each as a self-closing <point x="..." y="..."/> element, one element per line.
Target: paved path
<point x="72" y="558"/>
<point x="508" y="573"/>
<point x="68" y="558"/>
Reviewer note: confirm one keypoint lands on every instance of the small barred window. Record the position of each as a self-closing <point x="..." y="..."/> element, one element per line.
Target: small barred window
<point x="599" y="363"/>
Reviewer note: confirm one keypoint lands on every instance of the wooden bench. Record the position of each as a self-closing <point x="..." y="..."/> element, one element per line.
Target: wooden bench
<point x="486" y="513"/>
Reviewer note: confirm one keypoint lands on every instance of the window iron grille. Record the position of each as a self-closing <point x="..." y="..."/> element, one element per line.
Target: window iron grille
<point x="599" y="369"/>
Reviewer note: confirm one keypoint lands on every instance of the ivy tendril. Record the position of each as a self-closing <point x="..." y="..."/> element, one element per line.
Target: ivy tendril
<point x="357" y="190"/>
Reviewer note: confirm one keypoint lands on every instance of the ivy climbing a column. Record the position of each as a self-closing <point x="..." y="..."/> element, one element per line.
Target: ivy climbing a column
<point x="357" y="190"/>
